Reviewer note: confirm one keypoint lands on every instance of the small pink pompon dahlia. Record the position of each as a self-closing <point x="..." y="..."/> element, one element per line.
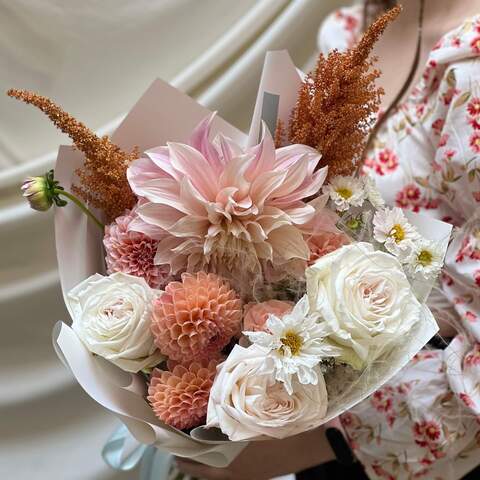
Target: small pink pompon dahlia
<point x="224" y="208"/>
<point x="180" y="397"/>
<point x="132" y="252"/>
<point x="256" y="314"/>
<point x="325" y="242"/>
<point x="196" y="318"/>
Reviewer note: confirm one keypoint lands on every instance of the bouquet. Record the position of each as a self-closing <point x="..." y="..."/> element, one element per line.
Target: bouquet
<point x="227" y="288"/>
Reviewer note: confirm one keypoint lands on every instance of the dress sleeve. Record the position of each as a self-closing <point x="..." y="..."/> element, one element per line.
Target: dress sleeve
<point x="454" y="130"/>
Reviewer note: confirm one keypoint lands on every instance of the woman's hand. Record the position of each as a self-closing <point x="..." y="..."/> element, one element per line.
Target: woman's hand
<point x="263" y="460"/>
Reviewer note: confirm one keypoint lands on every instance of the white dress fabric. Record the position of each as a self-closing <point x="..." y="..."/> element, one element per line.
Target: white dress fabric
<point x="96" y="59"/>
<point x="424" y="423"/>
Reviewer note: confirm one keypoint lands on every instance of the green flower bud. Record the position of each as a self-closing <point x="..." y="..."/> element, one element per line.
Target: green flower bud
<point x="41" y="192"/>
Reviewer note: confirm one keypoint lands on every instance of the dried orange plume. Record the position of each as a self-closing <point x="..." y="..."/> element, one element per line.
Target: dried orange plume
<point x="338" y="100"/>
<point x="103" y="180"/>
<point x="280" y="134"/>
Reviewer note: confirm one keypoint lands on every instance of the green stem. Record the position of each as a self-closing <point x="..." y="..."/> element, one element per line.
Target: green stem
<point x="81" y="206"/>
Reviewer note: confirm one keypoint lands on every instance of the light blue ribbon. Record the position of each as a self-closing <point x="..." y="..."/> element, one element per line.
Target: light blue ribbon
<point x="154" y="464"/>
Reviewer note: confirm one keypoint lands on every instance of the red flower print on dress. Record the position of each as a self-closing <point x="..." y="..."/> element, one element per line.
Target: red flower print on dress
<point x="473" y="107"/>
<point x="467" y="249"/>
<point x="432" y="204"/>
<point x="476" y="196"/>
<point x="466" y="399"/>
<point x="424" y="355"/>
<point x="432" y="64"/>
<point x="409" y="197"/>
<point x="349" y="420"/>
<point x="470" y="316"/>
<point x="420" y="109"/>
<point x="474" y="123"/>
<point x="437" y="125"/>
<point x="449" y="154"/>
<point x="476" y="277"/>
<point x="370" y="164"/>
<point x="475" y="44"/>
<point x="387" y="160"/>
<point x="456" y="42"/>
<point x="427" y="433"/>
<point x="443" y="140"/>
<point x="449" y="94"/>
<point x="475" y="141"/>
<point x="472" y="358"/>
<point x="446" y="279"/>
<point x="381" y="472"/>
<point x="382" y="400"/>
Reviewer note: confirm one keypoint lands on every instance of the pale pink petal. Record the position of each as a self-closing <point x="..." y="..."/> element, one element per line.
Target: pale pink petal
<point x="200" y="141"/>
<point x="152" y="231"/>
<point x="264" y="156"/>
<point x="161" y="158"/>
<point x="312" y="187"/>
<point x="163" y="189"/>
<point x="294" y="179"/>
<point x="140" y="171"/>
<point x="287" y="242"/>
<point x="291" y="154"/>
<point x="265" y="184"/>
<point x="192" y="197"/>
<point x="193" y="164"/>
<point x="301" y="215"/>
<point x="228" y="148"/>
<point x="190" y="226"/>
<point x="162" y="216"/>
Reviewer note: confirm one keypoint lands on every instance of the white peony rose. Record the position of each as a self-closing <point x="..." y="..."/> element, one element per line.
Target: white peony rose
<point x="111" y="315"/>
<point x="247" y="402"/>
<point x="366" y="299"/>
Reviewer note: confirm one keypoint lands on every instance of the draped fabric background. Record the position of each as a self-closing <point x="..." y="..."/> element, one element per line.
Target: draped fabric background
<point x="95" y="59"/>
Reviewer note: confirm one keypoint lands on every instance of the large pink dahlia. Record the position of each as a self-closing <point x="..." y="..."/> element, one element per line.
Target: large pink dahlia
<point x="196" y="318"/>
<point x="132" y="252"/>
<point x="225" y="208"/>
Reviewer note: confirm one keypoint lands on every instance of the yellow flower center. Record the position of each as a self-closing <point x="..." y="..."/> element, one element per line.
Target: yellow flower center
<point x="425" y="258"/>
<point x="293" y="341"/>
<point x="397" y="233"/>
<point x="345" y="193"/>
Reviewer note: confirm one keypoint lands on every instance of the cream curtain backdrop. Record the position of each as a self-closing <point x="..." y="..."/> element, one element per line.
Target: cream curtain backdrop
<point x="96" y="58"/>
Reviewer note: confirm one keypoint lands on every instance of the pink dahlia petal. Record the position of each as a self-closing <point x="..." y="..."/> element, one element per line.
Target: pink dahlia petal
<point x="200" y="141"/>
<point x="132" y="252"/>
<point x="179" y="397"/>
<point x="196" y="318"/>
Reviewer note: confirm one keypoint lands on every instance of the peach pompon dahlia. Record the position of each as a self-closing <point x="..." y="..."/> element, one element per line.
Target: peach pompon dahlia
<point x="196" y="318"/>
<point x="224" y="207"/>
<point x="132" y="252"/>
<point x="179" y="397"/>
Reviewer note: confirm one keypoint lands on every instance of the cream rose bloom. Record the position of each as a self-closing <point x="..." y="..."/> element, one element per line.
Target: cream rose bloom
<point x="247" y="402"/>
<point x="111" y="315"/>
<point x="365" y="298"/>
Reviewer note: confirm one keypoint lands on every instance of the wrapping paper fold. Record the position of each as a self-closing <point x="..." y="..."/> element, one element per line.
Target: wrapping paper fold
<point x="165" y="114"/>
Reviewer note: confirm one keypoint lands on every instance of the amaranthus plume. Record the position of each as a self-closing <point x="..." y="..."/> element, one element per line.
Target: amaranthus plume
<point x="103" y="180"/>
<point x="338" y="100"/>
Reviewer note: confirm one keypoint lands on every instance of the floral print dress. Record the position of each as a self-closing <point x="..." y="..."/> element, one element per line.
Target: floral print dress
<point x="425" y="423"/>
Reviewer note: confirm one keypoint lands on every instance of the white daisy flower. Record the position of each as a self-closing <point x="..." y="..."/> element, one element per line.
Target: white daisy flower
<point x="345" y="192"/>
<point x="425" y="258"/>
<point x="391" y="227"/>
<point x="296" y="344"/>
<point x="372" y="193"/>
